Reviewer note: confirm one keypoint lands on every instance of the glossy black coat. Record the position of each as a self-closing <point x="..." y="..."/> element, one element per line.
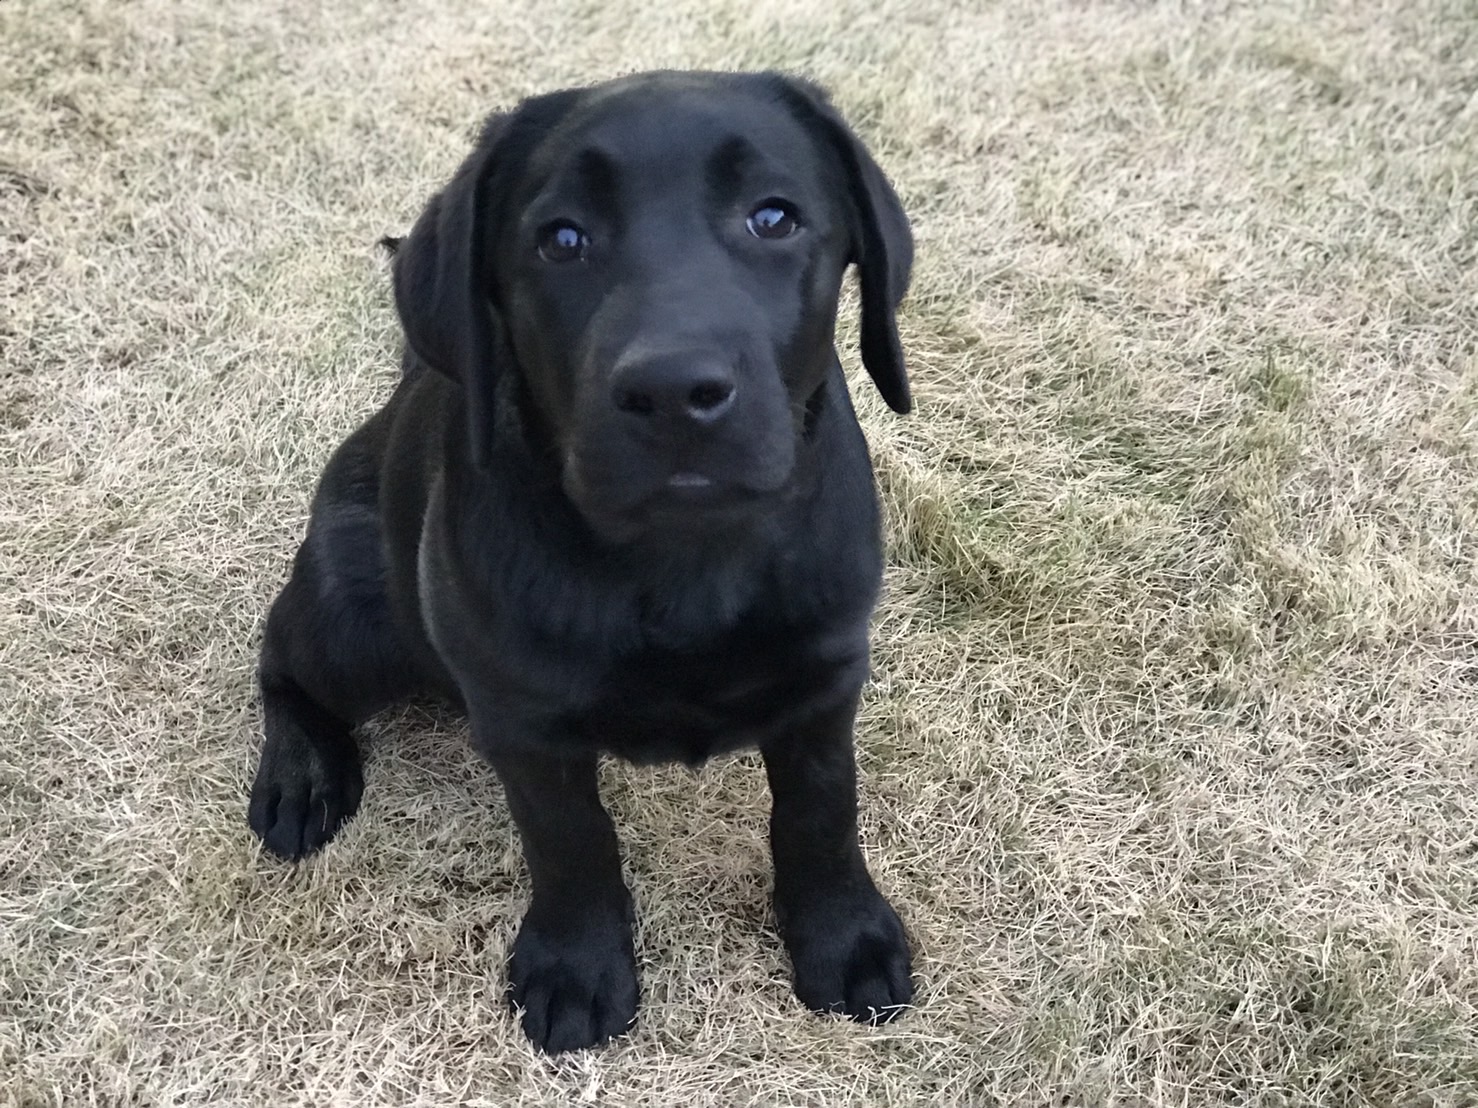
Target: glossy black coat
<point x="618" y="503"/>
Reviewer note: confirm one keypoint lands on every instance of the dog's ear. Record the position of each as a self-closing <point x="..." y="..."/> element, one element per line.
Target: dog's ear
<point x="882" y="244"/>
<point x="443" y="293"/>
<point x="441" y="290"/>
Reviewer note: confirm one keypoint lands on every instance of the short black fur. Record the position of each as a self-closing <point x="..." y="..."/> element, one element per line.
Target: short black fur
<point x="619" y="504"/>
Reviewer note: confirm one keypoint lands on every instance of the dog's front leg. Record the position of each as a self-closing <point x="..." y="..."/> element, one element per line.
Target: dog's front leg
<point x="847" y="947"/>
<point x="573" y="969"/>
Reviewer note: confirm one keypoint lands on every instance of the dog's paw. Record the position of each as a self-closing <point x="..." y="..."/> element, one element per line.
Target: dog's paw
<point x="849" y="955"/>
<point x="302" y="797"/>
<point x="574" y="990"/>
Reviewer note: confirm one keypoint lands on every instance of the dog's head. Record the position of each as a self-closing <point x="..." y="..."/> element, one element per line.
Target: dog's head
<point x="658" y="260"/>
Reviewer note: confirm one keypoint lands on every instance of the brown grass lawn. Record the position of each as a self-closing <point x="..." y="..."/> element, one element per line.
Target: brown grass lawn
<point x="1170" y="763"/>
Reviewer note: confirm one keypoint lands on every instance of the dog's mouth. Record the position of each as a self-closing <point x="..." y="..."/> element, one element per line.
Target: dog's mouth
<point x="688" y="492"/>
<point x="686" y="502"/>
<point x="695" y="490"/>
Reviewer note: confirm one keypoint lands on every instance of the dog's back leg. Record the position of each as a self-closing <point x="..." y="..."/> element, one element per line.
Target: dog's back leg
<point x="331" y="657"/>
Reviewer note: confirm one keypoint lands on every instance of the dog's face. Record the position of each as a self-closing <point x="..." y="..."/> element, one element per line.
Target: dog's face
<point x="668" y="275"/>
<point x="659" y="260"/>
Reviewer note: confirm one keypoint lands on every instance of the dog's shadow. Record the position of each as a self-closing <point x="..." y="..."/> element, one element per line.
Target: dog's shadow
<point x="427" y="791"/>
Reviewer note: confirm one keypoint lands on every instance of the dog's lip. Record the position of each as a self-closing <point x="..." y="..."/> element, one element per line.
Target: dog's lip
<point x="688" y="489"/>
<point x="682" y="495"/>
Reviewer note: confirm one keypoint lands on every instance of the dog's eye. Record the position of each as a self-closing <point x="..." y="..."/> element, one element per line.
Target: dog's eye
<point x="773" y="219"/>
<point x="563" y="242"/>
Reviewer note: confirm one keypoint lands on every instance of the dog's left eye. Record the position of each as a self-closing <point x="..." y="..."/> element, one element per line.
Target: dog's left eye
<point x="562" y="241"/>
<point x="773" y="219"/>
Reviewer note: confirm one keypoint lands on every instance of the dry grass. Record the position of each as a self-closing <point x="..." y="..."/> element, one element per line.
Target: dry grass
<point x="1171" y="763"/>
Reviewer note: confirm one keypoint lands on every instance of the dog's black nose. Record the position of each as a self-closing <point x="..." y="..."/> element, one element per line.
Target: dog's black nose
<point x="683" y="387"/>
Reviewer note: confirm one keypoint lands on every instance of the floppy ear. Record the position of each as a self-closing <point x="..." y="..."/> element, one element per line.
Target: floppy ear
<point x="441" y="289"/>
<point x="882" y="245"/>
<point x="447" y="305"/>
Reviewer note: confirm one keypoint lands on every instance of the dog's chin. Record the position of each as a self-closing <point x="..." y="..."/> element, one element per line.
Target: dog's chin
<point x="684" y="508"/>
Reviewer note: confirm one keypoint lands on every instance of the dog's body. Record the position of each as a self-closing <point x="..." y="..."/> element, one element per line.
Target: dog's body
<point x="619" y="502"/>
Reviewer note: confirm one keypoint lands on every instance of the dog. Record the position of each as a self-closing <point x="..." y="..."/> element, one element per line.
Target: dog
<point x="619" y="502"/>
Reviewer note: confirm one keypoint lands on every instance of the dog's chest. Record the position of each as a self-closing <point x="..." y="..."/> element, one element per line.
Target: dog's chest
<point x="689" y="705"/>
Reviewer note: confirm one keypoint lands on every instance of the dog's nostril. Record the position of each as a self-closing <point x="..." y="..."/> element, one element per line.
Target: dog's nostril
<point x="634" y="401"/>
<point x="705" y="397"/>
<point x="687" y="389"/>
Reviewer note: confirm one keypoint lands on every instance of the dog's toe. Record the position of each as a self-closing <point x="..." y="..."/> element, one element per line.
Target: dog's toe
<point x="850" y="956"/>
<point x="296" y="809"/>
<point x="574" y="991"/>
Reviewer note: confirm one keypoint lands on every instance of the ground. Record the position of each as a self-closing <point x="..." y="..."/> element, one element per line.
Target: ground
<point x="1170" y="761"/>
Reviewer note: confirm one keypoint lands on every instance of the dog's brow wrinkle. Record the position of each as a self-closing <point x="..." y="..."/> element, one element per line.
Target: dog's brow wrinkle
<point x="730" y="158"/>
<point x="598" y="172"/>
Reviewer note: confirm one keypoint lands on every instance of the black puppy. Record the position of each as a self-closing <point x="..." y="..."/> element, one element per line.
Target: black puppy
<point x="631" y="511"/>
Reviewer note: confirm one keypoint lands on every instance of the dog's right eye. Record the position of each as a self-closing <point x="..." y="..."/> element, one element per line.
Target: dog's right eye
<point x="562" y="241"/>
<point x="774" y="219"/>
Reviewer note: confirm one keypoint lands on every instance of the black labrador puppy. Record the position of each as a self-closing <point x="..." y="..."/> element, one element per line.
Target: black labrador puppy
<point x="619" y="502"/>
